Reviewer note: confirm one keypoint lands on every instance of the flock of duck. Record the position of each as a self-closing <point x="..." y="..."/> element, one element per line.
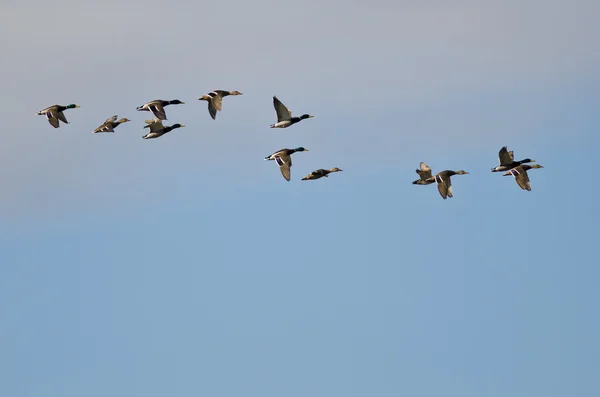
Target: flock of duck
<point x="518" y="169"/>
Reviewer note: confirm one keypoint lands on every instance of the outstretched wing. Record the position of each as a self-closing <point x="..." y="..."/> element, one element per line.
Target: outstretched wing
<point x="61" y="117"/>
<point x="505" y="156"/>
<point x="424" y="171"/>
<point x="212" y="110"/>
<point x="106" y="127"/>
<point x="521" y="177"/>
<point x="155" y="125"/>
<point x="283" y="113"/>
<point x="285" y="163"/>
<point x="444" y="186"/>
<point x="111" y="119"/>
<point x="158" y="110"/>
<point x="51" y="115"/>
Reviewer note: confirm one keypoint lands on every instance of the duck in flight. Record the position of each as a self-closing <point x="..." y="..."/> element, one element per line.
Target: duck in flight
<point x="520" y="174"/>
<point x="507" y="160"/>
<point x="110" y="124"/>
<point x="444" y="183"/>
<point x="215" y="99"/>
<point x="158" y="107"/>
<point x="424" y="173"/>
<point x="157" y="129"/>
<point x="284" y="160"/>
<point x="320" y="173"/>
<point x="284" y="116"/>
<point x="55" y="113"/>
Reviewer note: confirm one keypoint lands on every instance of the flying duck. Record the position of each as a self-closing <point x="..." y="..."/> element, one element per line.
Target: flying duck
<point x="507" y="160"/>
<point x="284" y="116"/>
<point x="215" y="100"/>
<point x="320" y="173"/>
<point x="157" y="129"/>
<point x="110" y="124"/>
<point x="284" y="160"/>
<point x="424" y="173"/>
<point x="444" y="183"/>
<point x="520" y="174"/>
<point x="55" y="113"/>
<point x="157" y="107"/>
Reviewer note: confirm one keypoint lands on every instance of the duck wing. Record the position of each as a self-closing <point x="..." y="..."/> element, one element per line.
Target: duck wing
<point x="158" y="110"/>
<point x="505" y="156"/>
<point x="105" y="127"/>
<point x="521" y="177"/>
<point x="424" y="171"/>
<point x="444" y="185"/>
<point x="61" y="117"/>
<point x="111" y="119"/>
<point x="283" y="113"/>
<point x="285" y="163"/>
<point x="51" y="115"/>
<point x="155" y="125"/>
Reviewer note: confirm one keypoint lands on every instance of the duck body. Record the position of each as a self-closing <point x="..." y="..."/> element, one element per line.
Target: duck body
<point x="520" y="174"/>
<point x="110" y="124"/>
<point x="157" y="129"/>
<point x="284" y="115"/>
<point x="320" y="173"/>
<point x="424" y="173"/>
<point x="284" y="160"/>
<point x="507" y="160"/>
<point x="54" y="114"/>
<point x="215" y="100"/>
<point x="157" y="107"/>
<point x="444" y="183"/>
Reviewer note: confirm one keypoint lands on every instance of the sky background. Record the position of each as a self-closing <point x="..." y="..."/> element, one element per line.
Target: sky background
<point x="187" y="266"/>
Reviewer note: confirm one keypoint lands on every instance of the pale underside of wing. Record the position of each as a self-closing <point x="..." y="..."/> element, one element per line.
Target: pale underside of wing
<point x="424" y="171"/>
<point x="522" y="178"/>
<point x="285" y="163"/>
<point x="283" y="113"/>
<point x="155" y="125"/>
<point x="217" y="102"/>
<point x="444" y="187"/>
<point x="214" y="105"/>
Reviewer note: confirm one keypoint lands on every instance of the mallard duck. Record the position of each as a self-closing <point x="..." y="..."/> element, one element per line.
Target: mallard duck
<point x="507" y="160"/>
<point x="444" y="183"/>
<point x="520" y="174"/>
<point x="284" y="116"/>
<point x="55" y="113"/>
<point x="157" y="129"/>
<point x="320" y="173"/>
<point x="284" y="160"/>
<point x="157" y="107"/>
<point x="424" y="174"/>
<point x="110" y="124"/>
<point x="215" y="100"/>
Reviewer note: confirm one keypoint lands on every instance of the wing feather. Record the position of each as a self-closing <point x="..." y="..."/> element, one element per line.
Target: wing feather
<point x="283" y="113"/>
<point x="505" y="156"/>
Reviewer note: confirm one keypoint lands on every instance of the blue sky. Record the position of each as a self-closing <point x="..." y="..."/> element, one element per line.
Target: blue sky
<point x="186" y="265"/>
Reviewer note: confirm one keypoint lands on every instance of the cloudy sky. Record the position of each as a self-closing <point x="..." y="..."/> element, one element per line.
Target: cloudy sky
<point x="186" y="265"/>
